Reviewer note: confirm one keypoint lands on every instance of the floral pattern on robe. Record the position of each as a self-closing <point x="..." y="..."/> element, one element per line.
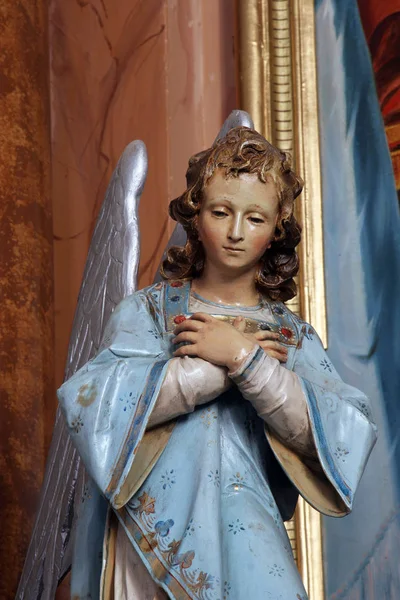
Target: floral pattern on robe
<point x="206" y="518"/>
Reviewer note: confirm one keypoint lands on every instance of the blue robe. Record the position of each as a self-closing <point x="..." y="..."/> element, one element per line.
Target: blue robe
<point x="203" y="499"/>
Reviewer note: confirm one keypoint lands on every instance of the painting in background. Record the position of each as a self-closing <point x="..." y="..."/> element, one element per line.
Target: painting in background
<point x="362" y="266"/>
<point x="381" y="23"/>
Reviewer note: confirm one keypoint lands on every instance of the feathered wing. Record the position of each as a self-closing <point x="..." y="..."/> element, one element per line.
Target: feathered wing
<point x="110" y="275"/>
<point x="237" y="118"/>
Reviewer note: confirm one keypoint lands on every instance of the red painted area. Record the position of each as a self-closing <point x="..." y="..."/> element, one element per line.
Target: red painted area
<point x="373" y="12"/>
<point x="287" y="333"/>
<point x="381" y="23"/>
<point x="393" y="104"/>
<point x="179" y="319"/>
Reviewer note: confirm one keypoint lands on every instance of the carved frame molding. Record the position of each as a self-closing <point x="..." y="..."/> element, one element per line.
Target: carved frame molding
<point x="276" y="62"/>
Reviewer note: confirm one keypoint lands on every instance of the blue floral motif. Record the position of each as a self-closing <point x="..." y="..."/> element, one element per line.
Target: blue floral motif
<point x="265" y="326"/>
<point x="214" y="478"/>
<point x="278" y="310"/>
<point x="208" y="415"/>
<point x="326" y="365"/>
<point x="86" y="495"/>
<point x="236" y="527"/>
<point x="163" y="527"/>
<point x="363" y="407"/>
<point x="341" y="452"/>
<point x="175" y="298"/>
<point x="276" y="570"/>
<point x="168" y="479"/>
<point x="154" y="333"/>
<point x="107" y="410"/>
<point x="197" y="581"/>
<point x="191" y="528"/>
<point x="277" y="518"/>
<point x="77" y="424"/>
<point x="128" y="400"/>
<point x="227" y="589"/>
<point x="238" y="481"/>
<point x="184" y="560"/>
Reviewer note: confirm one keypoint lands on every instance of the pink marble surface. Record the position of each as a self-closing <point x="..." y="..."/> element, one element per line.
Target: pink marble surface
<point x="200" y="79"/>
<point x="161" y="71"/>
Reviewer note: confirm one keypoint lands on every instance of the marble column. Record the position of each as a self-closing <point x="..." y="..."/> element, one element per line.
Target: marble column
<point x="26" y="277"/>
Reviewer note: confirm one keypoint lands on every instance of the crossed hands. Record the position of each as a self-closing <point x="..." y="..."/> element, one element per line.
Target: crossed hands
<point x="222" y="344"/>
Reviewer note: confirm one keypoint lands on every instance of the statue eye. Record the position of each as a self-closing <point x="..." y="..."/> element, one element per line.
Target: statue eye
<point x="219" y="213"/>
<point x="256" y="220"/>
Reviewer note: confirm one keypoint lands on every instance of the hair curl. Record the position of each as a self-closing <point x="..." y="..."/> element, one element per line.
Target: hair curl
<point x="242" y="150"/>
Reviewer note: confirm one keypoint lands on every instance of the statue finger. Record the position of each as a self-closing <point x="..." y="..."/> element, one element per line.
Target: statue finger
<point x="273" y="354"/>
<point x="186" y="350"/>
<point x="204" y="317"/>
<point x="271" y="344"/>
<point x="185" y="336"/>
<point x="266" y="335"/>
<point x="279" y="351"/>
<point x="240" y="324"/>
<point x="188" y="325"/>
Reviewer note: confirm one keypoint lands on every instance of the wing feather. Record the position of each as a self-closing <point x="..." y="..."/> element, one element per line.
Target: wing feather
<point x="110" y="275"/>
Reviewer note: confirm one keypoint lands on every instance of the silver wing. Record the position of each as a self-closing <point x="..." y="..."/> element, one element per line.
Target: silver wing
<point x="110" y="275"/>
<point x="237" y="118"/>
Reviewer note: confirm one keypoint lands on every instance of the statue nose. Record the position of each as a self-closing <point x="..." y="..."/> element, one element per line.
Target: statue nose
<point x="235" y="237"/>
<point x="236" y="231"/>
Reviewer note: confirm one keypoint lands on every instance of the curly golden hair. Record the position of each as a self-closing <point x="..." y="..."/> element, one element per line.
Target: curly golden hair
<point x="242" y="150"/>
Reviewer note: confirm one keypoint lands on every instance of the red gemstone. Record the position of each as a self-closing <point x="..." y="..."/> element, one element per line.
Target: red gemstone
<point x="287" y="333"/>
<point x="179" y="319"/>
<point x="176" y="284"/>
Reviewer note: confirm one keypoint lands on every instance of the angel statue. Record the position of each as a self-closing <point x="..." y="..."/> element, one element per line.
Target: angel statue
<point x="205" y="407"/>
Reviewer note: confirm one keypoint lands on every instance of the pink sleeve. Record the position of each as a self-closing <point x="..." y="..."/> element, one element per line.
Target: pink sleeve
<point x="188" y="382"/>
<point x="278" y="398"/>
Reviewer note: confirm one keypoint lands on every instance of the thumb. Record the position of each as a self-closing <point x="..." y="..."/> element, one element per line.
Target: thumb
<point x="240" y="324"/>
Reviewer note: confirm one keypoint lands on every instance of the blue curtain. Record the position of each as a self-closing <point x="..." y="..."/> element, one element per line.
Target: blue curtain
<point x="362" y="265"/>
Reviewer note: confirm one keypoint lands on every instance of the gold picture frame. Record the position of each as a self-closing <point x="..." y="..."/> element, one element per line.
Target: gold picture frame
<point x="276" y="62"/>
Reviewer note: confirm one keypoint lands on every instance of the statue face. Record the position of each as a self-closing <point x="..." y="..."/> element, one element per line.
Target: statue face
<point x="237" y="221"/>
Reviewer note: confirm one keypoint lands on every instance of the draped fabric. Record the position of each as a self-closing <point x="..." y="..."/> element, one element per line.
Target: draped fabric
<point x="362" y="265"/>
<point x="202" y="500"/>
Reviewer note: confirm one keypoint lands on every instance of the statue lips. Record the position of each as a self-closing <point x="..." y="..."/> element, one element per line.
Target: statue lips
<point x="232" y="249"/>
